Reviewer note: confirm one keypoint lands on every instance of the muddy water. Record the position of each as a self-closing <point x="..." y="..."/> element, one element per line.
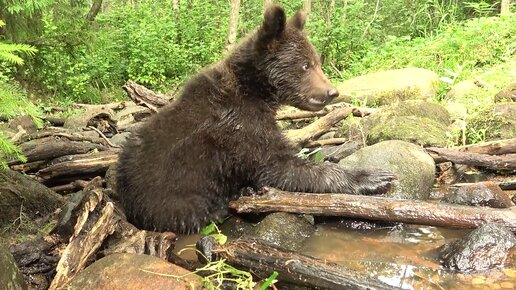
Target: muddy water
<point x="403" y="257"/>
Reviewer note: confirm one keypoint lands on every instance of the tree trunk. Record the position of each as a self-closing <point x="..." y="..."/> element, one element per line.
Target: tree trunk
<point x="94" y="10"/>
<point x="233" y="24"/>
<point x="307" y="6"/>
<point x="267" y="3"/>
<point x="505" y="7"/>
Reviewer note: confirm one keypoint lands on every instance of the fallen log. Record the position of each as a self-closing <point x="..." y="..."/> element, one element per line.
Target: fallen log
<point x="87" y="238"/>
<point x="51" y="147"/>
<point x="72" y="186"/>
<point x="296" y="114"/>
<point x="263" y="259"/>
<point x="89" y="226"/>
<point x="375" y="208"/>
<point x="493" y="162"/>
<point x="58" y="134"/>
<point x="317" y="128"/>
<point x="145" y="97"/>
<point x="498" y="147"/>
<point x="80" y="165"/>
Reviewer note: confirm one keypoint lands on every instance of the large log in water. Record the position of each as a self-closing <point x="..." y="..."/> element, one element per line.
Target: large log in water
<point x="263" y="259"/>
<point x="376" y="208"/>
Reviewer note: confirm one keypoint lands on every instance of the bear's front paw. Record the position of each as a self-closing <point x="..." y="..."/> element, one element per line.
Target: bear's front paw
<point x="373" y="182"/>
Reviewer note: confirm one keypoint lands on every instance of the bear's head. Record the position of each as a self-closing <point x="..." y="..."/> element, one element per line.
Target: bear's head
<point x="289" y="62"/>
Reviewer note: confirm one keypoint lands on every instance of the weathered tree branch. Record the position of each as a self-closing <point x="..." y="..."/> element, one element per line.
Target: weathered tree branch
<point x="145" y="97"/>
<point x="376" y="208"/>
<point x="319" y="127"/>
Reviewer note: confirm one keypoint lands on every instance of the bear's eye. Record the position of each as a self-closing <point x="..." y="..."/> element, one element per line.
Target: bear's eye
<point x="306" y="66"/>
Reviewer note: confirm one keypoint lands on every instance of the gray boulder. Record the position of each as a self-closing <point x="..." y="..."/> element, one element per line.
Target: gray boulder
<point x="413" y="166"/>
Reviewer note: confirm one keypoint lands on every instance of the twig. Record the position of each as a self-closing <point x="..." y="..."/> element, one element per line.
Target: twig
<point x="19" y="134"/>
<point x="104" y="137"/>
<point x="326" y="142"/>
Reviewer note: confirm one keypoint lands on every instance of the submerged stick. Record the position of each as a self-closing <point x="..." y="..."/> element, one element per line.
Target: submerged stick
<point x="376" y="208"/>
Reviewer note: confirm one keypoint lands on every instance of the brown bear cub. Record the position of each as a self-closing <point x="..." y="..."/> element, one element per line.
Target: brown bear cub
<point x="181" y="168"/>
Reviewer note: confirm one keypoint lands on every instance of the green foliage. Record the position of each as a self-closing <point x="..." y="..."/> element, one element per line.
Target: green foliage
<point x="9" y="51"/>
<point x="160" y="47"/>
<point x="213" y="231"/>
<point x="8" y="152"/>
<point x="12" y="101"/>
<point x="477" y="43"/>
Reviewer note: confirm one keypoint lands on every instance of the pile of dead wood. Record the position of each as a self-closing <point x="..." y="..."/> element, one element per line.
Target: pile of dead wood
<point x="90" y="226"/>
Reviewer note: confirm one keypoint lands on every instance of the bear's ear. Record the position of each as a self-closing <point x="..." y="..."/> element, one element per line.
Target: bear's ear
<point x="298" y="20"/>
<point x="273" y="24"/>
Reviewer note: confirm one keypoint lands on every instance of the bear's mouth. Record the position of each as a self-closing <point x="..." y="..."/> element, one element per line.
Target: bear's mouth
<point x="316" y="103"/>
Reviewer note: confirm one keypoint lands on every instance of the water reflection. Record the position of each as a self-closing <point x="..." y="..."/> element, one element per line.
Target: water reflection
<point x="404" y="256"/>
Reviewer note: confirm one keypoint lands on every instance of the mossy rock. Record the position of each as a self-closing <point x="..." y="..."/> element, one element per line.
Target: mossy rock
<point x="414" y="168"/>
<point x="385" y="87"/>
<point x="418" y="130"/>
<point x="494" y="122"/>
<point x="415" y="121"/>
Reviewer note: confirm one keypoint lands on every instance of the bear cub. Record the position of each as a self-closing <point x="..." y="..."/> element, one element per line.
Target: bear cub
<point x="181" y="168"/>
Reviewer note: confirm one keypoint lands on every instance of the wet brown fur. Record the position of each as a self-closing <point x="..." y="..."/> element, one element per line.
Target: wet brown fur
<point x="179" y="171"/>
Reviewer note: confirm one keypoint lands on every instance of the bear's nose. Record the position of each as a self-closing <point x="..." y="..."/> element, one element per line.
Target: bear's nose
<point x="332" y="93"/>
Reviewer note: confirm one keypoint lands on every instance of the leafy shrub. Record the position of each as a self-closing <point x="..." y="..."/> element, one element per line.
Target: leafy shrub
<point x="477" y="43"/>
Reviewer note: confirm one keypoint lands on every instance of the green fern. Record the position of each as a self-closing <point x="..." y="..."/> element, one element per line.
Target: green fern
<point x="8" y="52"/>
<point x="13" y="101"/>
<point x="9" y="152"/>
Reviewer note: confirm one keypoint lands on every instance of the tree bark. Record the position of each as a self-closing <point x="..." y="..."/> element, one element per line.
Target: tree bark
<point x="77" y="166"/>
<point x="233" y="24"/>
<point x="307" y="6"/>
<point x="145" y="97"/>
<point x="376" y="208"/>
<point x="262" y="259"/>
<point x="51" y="147"/>
<point x="94" y="10"/>
<point x="505" y="7"/>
